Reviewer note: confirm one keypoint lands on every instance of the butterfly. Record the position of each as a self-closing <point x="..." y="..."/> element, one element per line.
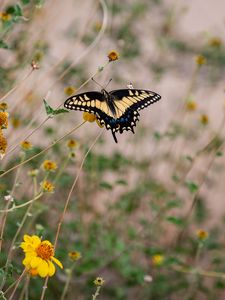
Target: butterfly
<point x="116" y="110"/>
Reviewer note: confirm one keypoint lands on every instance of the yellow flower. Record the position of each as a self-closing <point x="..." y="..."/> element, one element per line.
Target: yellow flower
<point x="4" y="16"/>
<point x="202" y="234"/>
<point x="113" y="55"/>
<point x="3" y="144"/>
<point x="204" y="119"/>
<point x="72" y="143"/>
<point x="25" y="145"/>
<point x="47" y="186"/>
<point x="39" y="256"/>
<point x="200" y="60"/>
<point x="89" y="117"/>
<point x="157" y="259"/>
<point x="3" y="119"/>
<point x="16" y="122"/>
<point x="99" y="281"/>
<point x="69" y="90"/>
<point x="49" y="165"/>
<point x="215" y="42"/>
<point x="74" y="255"/>
<point x="3" y="106"/>
<point x="191" y="105"/>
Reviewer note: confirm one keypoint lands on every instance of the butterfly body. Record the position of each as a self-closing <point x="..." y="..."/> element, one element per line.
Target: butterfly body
<point x="116" y="110"/>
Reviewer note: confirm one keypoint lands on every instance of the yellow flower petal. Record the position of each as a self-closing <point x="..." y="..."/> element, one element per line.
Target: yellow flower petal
<point x="35" y="261"/>
<point x="26" y="261"/>
<point x="57" y="262"/>
<point x="43" y="269"/>
<point x="51" y="268"/>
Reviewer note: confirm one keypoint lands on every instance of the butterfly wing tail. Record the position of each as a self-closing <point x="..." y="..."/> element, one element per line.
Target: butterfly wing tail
<point x="114" y="136"/>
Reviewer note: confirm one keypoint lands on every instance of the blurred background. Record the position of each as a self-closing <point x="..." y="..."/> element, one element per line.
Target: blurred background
<point x="147" y="214"/>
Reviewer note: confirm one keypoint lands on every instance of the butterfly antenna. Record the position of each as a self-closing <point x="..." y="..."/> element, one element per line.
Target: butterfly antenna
<point x="97" y="83"/>
<point x="108" y="82"/>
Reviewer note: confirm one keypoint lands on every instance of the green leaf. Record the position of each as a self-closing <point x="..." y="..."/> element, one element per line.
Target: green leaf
<point x="52" y="112"/>
<point x="192" y="186"/>
<point x="48" y="109"/>
<point x="3" y="45"/>
<point x="60" y="111"/>
<point x="25" y="2"/>
<point x="176" y="221"/>
<point x="105" y="185"/>
<point x="15" y="10"/>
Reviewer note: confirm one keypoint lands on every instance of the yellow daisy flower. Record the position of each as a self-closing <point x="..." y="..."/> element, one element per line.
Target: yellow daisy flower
<point x="200" y="60"/>
<point x="202" y="234"/>
<point x="99" y="281"/>
<point x="89" y="117"/>
<point x="191" y="105"/>
<point x="74" y="255"/>
<point x="49" y="165"/>
<point x="25" y="145"/>
<point x="157" y="259"/>
<point x="113" y="55"/>
<point x="72" y="143"/>
<point x="3" y="144"/>
<point x="69" y="90"/>
<point x="47" y="186"/>
<point x="3" y="119"/>
<point x="3" y="106"/>
<point x="39" y="256"/>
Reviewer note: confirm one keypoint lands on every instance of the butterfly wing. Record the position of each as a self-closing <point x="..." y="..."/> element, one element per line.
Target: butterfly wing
<point x="128" y="102"/>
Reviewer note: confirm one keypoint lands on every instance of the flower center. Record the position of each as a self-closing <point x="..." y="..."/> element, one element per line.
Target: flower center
<point x="45" y="251"/>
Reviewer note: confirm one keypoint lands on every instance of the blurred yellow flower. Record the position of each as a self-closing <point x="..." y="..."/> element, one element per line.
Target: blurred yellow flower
<point x="74" y="255"/>
<point x="69" y="90"/>
<point x="157" y="259"/>
<point x="49" y="165"/>
<point x="39" y="256"/>
<point x="72" y="143"/>
<point x="3" y="144"/>
<point x="3" y="106"/>
<point x="215" y="42"/>
<point x="4" y="16"/>
<point x="113" y="55"/>
<point x="191" y="105"/>
<point x="89" y="117"/>
<point x="25" y="145"/>
<point x="16" y="122"/>
<point x="204" y="119"/>
<point x="99" y="281"/>
<point x="47" y="186"/>
<point x="200" y="60"/>
<point x="202" y="234"/>
<point x="3" y="119"/>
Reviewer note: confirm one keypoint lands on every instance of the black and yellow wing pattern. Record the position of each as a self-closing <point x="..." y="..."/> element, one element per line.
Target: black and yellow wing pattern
<point x="117" y="110"/>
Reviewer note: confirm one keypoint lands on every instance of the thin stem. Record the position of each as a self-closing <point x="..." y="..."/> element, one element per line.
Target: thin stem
<point x="199" y="272"/>
<point x="22" y="205"/>
<point x="5" y="212"/>
<point x="68" y="280"/>
<point x="17" y="283"/>
<point x="66" y="205"/>
<point x="94" y="297"/>
<point x="12" y="246"/>
<point x="18" y="84"/>
<point x="43" y="151"/>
